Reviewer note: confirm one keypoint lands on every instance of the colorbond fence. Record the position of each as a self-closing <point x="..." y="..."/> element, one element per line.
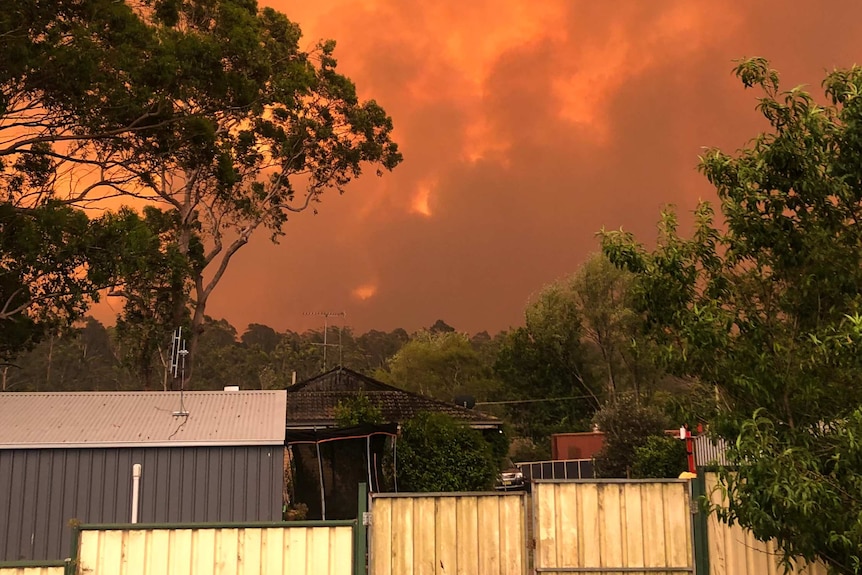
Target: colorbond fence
<point x="32" y="569"/>
<point x="735" y="551"/>
<point x="601" y="527"/>
<point x="608" y="527"/>
<point x="310" y="548"/>
<point x="448" y="533"/>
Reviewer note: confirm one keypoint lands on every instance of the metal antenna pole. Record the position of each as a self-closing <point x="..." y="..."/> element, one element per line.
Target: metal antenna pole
<point x="325" y="333"/>
<point x="326" y="315"/>
<point x="178" y="367"/>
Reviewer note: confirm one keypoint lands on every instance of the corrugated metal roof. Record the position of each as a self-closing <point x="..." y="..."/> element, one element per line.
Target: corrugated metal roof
<point x="128" y="419"/>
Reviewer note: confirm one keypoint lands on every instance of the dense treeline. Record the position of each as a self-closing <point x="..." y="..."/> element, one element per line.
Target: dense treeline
<point x="90" y="356"/>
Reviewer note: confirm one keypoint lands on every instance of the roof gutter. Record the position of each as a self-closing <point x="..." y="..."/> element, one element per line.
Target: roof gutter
<point x="119" y="444"/>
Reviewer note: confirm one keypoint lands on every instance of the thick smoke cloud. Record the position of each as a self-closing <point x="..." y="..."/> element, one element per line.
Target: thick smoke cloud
<point x="526" y="127"/>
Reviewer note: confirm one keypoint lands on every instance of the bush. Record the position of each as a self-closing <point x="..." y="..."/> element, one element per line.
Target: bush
<point x="658" y="457"/>
<point x="436" y="453"/>
<point x="627" y="424"/>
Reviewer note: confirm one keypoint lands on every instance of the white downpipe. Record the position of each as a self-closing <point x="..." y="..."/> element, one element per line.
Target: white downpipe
<point x="136" y="490"/>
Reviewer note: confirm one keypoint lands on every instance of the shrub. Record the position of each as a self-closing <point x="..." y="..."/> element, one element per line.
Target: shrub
<point x="437" y="453"/>
<point x="659" y="456"/>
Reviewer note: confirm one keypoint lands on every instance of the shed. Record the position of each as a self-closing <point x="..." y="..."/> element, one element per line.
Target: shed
<point x="215" y="456"/>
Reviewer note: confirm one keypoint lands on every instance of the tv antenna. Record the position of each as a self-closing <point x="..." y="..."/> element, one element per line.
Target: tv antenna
<point x="178" y="367"/>
<point x="326" y="315"/>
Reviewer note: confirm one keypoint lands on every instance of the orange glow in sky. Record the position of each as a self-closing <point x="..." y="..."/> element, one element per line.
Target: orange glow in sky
<point x="525" y="127"/>
<point x="364" y="292"/>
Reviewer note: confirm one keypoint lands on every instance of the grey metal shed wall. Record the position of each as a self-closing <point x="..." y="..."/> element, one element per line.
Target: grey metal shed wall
<point x="41" y="490"/>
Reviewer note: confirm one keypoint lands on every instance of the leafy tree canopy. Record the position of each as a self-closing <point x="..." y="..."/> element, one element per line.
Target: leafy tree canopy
<point x="441" y="364"/>
<point x="765" y="308"/>
<point x="207" y="109"/>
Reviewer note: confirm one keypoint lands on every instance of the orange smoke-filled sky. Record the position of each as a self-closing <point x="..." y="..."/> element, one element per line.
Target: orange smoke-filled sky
<point x="526" y="127"/>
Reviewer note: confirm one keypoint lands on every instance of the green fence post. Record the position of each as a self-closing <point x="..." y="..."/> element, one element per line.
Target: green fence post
<point x="700" y="524"/>
<point x="72" y="563"/>
<point x="360" y="536"/>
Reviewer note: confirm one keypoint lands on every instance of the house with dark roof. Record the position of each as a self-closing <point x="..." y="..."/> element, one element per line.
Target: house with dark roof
<point x="201" y="456"/>
<point x="311" y="404"/>
<point x="327" y="462"/>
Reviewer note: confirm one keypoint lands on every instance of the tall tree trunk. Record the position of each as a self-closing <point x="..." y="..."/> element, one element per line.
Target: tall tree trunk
<point x="197" y="327"/>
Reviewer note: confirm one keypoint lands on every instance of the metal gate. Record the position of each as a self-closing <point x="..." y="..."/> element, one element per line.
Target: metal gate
<point x="612" y="526"/>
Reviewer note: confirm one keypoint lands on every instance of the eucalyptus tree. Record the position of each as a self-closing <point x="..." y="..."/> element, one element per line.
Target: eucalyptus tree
<point x="208" y="110"/>
<point x="247" y="129"/>
<point x="57" y="65"/>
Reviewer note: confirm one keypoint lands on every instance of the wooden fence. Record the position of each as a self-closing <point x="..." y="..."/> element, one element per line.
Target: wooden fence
<point x="612" y="526"/>
<point x="448" y="533"/>
<point x="217" y="550"/>
<point x="735" y="551"/>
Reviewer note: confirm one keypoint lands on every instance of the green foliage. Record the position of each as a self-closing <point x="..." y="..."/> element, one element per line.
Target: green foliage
<point x="155" y="282"/>
<point x="55" y="261"/>
<point x="582" y="341"/>
<point x="80" y="358"/>
<point x="546" y="359"/>
<point x="260" y="336"/>
<point x="262" y="357"/>
<point x="499" y="441"/>
<point x="765" y="309"/>
<point x="207" y="108"/>
<point x="794" y="476"/>
<point x="627" y="423"/>
<point x="378" y="346"/>
<point x="357" y="411"/>
<point x="659" y="457"/>
<point x="603" y="295"/>
<point x="441" y="364"/>
<point x="436" y="453"/>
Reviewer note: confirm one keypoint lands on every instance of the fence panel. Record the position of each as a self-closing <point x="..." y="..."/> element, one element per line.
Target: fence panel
<point x="448" y="533"/>
<point x="735" y="551"/>
<point x="225" y="550"/>
<point x="12" y="569"/>
<point x="610" y="527"/>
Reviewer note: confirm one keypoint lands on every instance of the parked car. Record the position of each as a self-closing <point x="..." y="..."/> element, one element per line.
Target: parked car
<point x="511" y="479"/>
